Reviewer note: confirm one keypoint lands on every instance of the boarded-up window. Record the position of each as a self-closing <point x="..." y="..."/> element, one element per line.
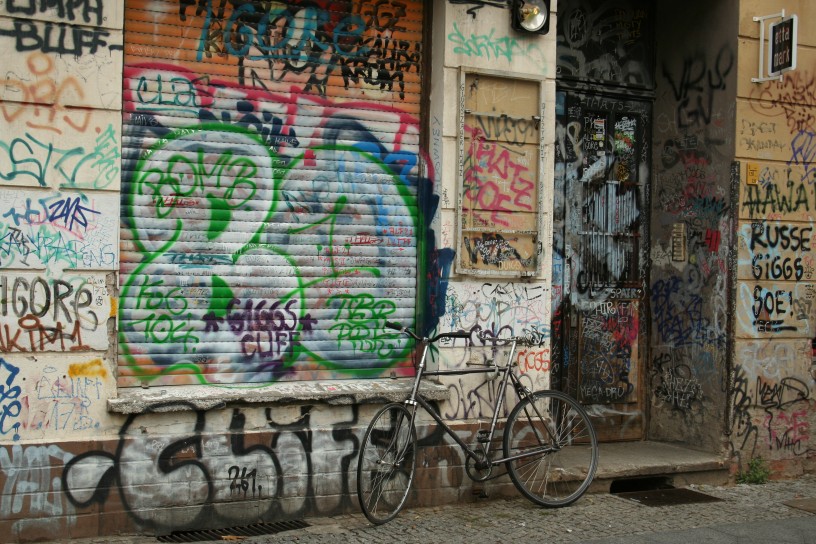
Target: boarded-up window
<point x="500" y="160"/>
<point x="271" y="169"/>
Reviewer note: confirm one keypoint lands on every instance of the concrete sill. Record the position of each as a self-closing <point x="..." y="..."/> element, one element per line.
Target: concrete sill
<point x="208" y="397"/>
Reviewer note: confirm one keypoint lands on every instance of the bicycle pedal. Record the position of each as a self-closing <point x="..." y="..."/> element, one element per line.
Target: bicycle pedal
<point x="479" y="492"/>
<point x="483" y="436"/>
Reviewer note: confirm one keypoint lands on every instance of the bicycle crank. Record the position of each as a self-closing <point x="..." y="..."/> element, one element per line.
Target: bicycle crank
<point x="478" y="467"/>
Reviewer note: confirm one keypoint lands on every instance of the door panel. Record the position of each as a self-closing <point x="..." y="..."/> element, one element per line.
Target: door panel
<point x="604" y="168"/>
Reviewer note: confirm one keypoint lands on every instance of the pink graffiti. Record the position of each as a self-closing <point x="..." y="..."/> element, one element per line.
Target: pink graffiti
<point x="487" y="162"/>
<point x="788" y="432"/>
<point x="151" y="83"/>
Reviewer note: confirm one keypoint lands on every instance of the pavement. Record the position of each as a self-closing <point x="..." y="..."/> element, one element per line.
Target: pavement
<point x="779" y="512"/>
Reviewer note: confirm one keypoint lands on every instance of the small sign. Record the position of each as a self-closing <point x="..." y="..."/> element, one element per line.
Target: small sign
<point x="678" y="242"/>
<point x="752" y="173"/>
<point x="782" y="46"/>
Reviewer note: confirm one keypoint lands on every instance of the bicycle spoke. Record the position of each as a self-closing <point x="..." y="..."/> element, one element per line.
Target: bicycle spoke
<point x="556" y="447"/>
<point x="386" y="463"/>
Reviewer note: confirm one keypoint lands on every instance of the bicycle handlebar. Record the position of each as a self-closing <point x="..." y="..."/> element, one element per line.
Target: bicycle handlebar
<point x="412" y="334"/>
<point x="484" y="336"/>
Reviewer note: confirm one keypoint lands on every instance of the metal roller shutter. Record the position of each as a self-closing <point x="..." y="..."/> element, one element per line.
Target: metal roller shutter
<point x="270" y="173"/>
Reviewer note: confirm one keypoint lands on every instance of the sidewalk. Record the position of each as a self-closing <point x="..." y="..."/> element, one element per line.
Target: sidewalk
<point x="745" y="513"/>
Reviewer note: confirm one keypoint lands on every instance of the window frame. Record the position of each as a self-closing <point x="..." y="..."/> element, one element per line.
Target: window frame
<point x="536" y="233"/>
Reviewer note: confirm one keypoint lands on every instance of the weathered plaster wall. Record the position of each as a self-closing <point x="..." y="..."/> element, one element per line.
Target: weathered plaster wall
<point x="480" y="41"/>
<point x="692" y="225"/>
<point x="77" y="465"/>
<point x="60" y="149"/>
<point x="60" y="112"/>
<point x="773" y="408"/>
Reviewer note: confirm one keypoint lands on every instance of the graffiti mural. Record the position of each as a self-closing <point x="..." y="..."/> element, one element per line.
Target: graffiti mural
<point x="732" y="279"/>
<point x="607" y="42"/>
<point x="499" y="163"/>
<point x="776" y="274"/>
<point x="689" y="290"/>
<point x="272" y="192"/>
<point x="60" y="169"/>
<point x="603" y="179"/>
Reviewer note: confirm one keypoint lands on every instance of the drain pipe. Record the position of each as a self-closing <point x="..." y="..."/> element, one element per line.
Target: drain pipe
<point x="813" y="358"/>
<point x="731" y="299"/>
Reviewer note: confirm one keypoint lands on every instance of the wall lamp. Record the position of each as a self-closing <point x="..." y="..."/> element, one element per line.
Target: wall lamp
<point x="531" y="15"/>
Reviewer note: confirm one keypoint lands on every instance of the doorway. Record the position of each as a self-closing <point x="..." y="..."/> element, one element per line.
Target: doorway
<point x="602" y="181"/>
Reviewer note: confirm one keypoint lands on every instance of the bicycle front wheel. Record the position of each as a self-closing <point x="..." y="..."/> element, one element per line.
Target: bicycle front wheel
<point x="553" y="448"/>
<point x="386" y="464"/>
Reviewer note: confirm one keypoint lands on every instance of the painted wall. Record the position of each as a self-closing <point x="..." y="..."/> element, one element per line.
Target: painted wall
<point x="731" y="286"/>
<point x="77" y="465"/>
<point x="78" y="459"/>
<point x="691" y="222"/>
<point x="773" y="405"/>
<point x="60" y="149"/>
<point x="60" y="103"/>
<point x="476" y="38"/>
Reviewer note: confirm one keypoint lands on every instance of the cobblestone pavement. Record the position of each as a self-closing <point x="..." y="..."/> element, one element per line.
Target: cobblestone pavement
<point x="596" y="516"/>
<point x="605" y="517"/>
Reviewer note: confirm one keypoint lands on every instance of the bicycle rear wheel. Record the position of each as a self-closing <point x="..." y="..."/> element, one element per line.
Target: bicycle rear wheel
<point x="386" y="464"/>
<point x="555" y="446"/>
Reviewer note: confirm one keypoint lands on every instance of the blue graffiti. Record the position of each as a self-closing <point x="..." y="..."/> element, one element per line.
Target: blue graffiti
<point x="10" y="406"/>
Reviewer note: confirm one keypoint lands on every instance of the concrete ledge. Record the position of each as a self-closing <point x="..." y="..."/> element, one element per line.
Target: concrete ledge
<point x="208" y="397"/>
<point x="625" y="460"/>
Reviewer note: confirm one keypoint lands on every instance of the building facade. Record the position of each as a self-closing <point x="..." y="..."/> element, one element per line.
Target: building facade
<point x="231" y="198"/>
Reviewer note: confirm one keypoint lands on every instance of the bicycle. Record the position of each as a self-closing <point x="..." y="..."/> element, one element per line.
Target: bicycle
<point x="549" y="445"/>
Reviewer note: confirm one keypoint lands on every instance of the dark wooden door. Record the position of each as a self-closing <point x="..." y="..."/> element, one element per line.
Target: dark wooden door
<point x="602" y="171"/>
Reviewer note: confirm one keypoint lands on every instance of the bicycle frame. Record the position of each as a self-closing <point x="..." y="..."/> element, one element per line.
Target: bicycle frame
<point x="538" y="451"/>
<point x="507" y="376"/>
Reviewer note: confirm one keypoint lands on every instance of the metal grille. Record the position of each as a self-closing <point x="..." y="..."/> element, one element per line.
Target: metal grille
<point x="256" y="529"/>
<point x="270" y="215"/>
<point x="657" y="491"/>
<point x="668" y="497"/>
